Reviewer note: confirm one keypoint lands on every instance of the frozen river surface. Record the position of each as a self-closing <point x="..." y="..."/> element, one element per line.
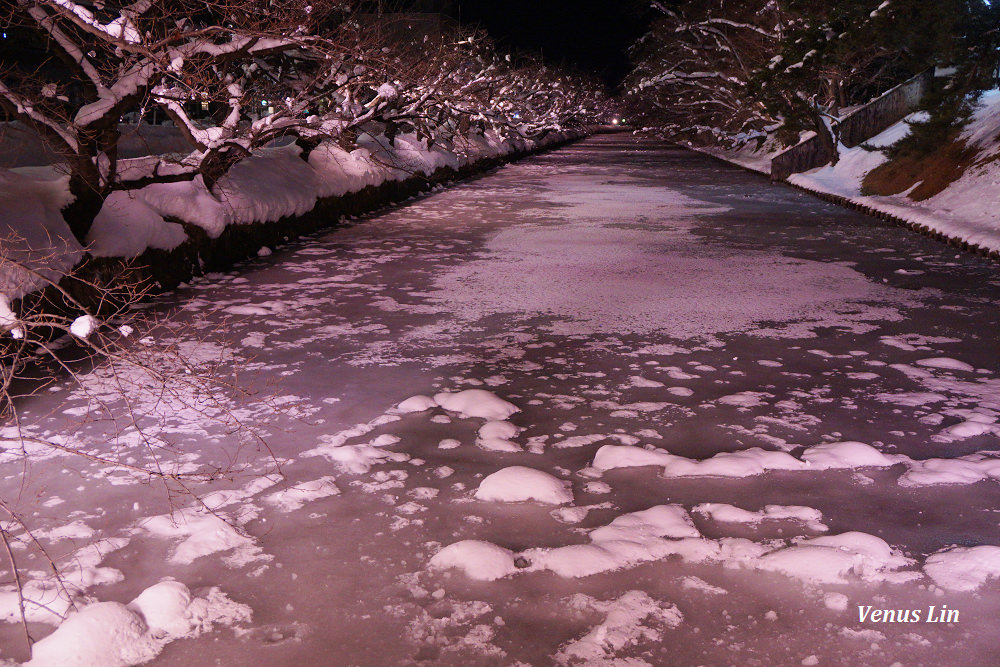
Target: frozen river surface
<point x="747" y="423"/>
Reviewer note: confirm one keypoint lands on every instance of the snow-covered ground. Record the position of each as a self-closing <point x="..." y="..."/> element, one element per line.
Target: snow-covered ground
<point x="967" y="210"/>
<point x="615" y="405"/>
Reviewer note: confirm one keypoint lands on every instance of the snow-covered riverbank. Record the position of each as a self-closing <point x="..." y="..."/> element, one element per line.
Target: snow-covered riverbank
<point x="967" y="211"/>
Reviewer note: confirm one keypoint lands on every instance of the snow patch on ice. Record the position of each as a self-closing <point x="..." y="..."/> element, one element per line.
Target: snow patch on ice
<point x="630" y="621"/>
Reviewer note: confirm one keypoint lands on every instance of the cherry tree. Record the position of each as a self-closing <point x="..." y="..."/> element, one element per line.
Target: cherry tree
<point x="694" y="67"/>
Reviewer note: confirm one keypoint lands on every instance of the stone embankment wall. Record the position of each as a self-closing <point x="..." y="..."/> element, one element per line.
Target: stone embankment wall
<point x="858" y="126"/>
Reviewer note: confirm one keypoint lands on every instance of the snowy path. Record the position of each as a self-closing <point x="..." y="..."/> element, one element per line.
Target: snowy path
<point x="644" y="310"/>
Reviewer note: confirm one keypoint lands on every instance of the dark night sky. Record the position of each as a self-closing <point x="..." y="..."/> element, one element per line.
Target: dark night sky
<point x="591" y="34"/>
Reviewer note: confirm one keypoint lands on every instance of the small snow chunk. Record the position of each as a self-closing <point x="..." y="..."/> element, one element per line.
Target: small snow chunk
<point x="835" y="601"/>
<point x="264" y="251"/>
<point x="518" y="483"/>
<point x="83" y="326"/>
<point x="597" y="488"/>
<point x="697" y="584"/>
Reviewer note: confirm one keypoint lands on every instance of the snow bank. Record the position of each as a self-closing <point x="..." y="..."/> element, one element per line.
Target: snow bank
<point x="847" y="455"/>
<point x="111" y="634"/>
<point x="518" y="484"/>
<point x="360" y="458"/>
<point x="966" y="210"/>
<point x="50" y="599"/>
<point x="32" y="230"/>
<point x="273" y="183"/>
<point x="126" y="226"/>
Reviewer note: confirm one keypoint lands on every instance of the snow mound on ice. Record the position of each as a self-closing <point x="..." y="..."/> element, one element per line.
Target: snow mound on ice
<point x="745" y="463"/>
<point x="415" y="404"/>
<point x="476" y="403"/>
<point x="496" y="436"/>
<point x="744" y="399"/>
<point x="946" y="363"/>
<point x="632" y="619"/>
<point x="963" y="470"/>
<point x="725" y="513"/>
<point x="164" y="606"/>
<point x="846" y="454"/>
<point x="477" y="559"/>
<point x="518" y="483"/>
<point x="648" y="535"/>
<point x="756" y="461"/>
<point x="110" y="634"/>
<point x="830" y="559"/>
<point x="105" y="634"/>
<point x="963" y="568"/>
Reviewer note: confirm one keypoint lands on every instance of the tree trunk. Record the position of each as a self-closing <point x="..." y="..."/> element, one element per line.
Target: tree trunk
<point x="88" y="200"/>
<point x="827" y="140"/>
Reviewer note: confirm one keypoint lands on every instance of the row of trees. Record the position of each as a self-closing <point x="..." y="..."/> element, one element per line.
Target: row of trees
<point x="323" y="69"/>
<point x="731" y="69"/>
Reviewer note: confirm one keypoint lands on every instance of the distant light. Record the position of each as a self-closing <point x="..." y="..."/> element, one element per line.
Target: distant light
<point x="5" y="35"/>
<point x="614" y="122"/>
<point x="517" y="116"/>
<point x="263" y="103"/>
